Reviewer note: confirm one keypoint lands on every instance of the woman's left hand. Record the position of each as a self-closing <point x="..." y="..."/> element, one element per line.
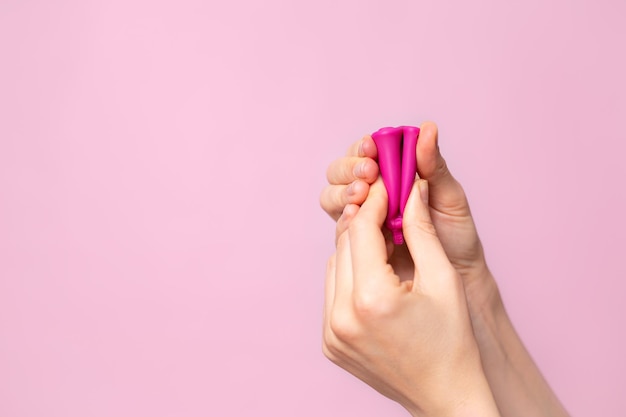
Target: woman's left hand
<point x="409" y="337"/>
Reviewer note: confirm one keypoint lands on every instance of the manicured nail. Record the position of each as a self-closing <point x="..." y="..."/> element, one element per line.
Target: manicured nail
<point x="423" y="186"/>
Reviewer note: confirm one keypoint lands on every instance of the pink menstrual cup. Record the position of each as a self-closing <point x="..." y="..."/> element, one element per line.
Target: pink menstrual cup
<point x="398" y="166"/>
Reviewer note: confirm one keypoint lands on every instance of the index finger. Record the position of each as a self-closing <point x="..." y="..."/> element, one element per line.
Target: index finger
<point x="363" y="148"/>
<point x="369" y="249"/>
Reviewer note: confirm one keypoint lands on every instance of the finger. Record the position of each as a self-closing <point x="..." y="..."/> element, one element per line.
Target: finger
<point x="343" y="273"/>
<point x="363" y="148"/>
<point x="347" y="169"/>
<point x="331" y="345"/>
<point x="446" y="194"/>
<point x="369" y="249"/>
<point x="432" y="267"/>
<point x="344" y="221"/>
<point x="329" y="288"/>
<point x="335" y="198"/>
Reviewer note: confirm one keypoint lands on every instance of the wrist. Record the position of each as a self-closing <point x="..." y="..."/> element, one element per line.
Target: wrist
<point x="483" y="296"/>
<point x="490" y="322"/>
<point x="486" y="310"/>
<point x="470" y="398"/>
<point x="516" y="382"/>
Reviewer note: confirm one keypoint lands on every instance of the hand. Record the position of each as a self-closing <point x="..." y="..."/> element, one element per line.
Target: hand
<point x="349" y="180"/>
<point x="514" y="379"/>
<point x="410" y="338"/>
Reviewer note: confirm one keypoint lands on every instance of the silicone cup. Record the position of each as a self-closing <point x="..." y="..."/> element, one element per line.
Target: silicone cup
<point x="398" y="166"/>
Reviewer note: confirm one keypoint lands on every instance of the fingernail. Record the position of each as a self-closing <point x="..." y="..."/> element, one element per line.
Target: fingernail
<point x="350" y="189"/>
<point x="359" y="169"/>
<point x="361" y="153"/>
<point x="423" y="186"/>
<point x="348" y="210"/>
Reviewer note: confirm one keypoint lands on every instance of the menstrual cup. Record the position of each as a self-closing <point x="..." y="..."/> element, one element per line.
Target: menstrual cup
<point x="398" y="166"/>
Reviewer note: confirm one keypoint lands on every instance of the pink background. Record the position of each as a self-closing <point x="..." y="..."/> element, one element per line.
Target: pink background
<point x="162" y="249"/>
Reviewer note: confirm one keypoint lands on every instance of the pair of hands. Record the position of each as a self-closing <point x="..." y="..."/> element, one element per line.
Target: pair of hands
<point x="400" y="318"/>
<point x="350" y="179"/>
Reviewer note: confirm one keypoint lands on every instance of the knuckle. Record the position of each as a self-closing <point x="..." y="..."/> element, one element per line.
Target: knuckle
<point x="349" y="169"/>
<point x="339" y="171"/>
<point x="323" y="195"/>
<point x="342" y="238"/>
<point x="327" y="343"/>
<point x="332" y="200"/>
<point x="343" y="327"/>
<point x="357" y="224"/>
<point x="331" y="347"/>
<point x="330" y="172"/>
<point x="327" y="352"/>
<point x="441" y="169"/>
<point x="325" y="198"/>
<point x="369" y="306"/>
<point x="334" y="355"/>
<point x="365" y="305"/>
<point x="354" y="149"/>
<point x="421" y="227"/>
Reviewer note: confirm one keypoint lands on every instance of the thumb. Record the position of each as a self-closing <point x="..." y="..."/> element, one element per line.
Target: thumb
<point x="432" y="267"/>
<point x="447" y="195"/>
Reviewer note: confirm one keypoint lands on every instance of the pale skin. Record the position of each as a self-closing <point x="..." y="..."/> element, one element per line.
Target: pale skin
<point x="403" y="330"/>
<point x="513" y="379"/>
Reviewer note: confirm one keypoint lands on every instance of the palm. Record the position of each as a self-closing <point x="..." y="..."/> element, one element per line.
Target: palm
<point x="459" y="239"/>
